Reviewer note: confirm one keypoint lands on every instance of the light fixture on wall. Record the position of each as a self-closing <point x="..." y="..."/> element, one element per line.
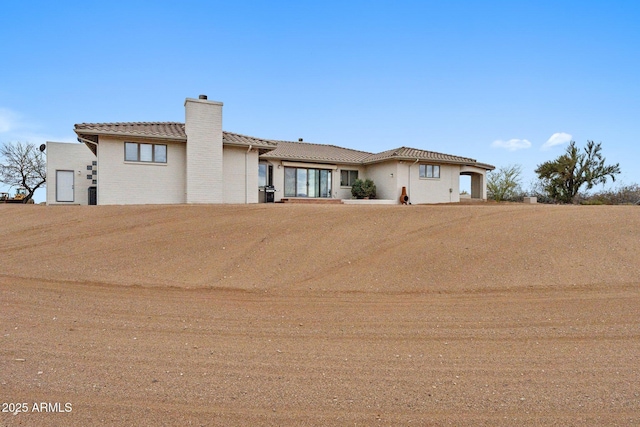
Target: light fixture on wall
<point x="391" y="174"/>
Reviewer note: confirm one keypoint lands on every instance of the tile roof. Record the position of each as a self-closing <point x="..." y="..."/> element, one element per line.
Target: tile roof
<point x="229" y="138"/>
<point x="315" y="153"/>
<point x="407" y="153"/>
<point x="269" y="149"/>
<point x="163" y="130"/>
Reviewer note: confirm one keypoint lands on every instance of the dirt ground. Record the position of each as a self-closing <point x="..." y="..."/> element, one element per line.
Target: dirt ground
<point x="313" y="315"/>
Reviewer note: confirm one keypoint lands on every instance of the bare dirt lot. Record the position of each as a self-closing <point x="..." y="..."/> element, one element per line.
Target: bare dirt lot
<point x="320" y="315"/>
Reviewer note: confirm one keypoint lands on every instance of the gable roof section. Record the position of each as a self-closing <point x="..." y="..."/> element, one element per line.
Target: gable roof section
<point x="167" y="131"/>
<point x="412" y="154"/>
<point x="305" y="151"/>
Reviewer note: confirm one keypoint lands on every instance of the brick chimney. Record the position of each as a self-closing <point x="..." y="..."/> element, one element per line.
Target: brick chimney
<point x="203" y="126"/>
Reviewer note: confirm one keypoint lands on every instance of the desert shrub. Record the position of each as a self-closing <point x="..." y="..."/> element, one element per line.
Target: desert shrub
<point x="503" y="184"/>
<point x="621" y="195"/>
<point x="592" y="202"/>
<point x="361" y="189"/>
<point x="537" y="190"/>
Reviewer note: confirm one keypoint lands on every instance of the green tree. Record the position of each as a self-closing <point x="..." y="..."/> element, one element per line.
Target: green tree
<point x="504" y="183"/>
<point x="23" y="165"/>
<point x="563" y="177"/>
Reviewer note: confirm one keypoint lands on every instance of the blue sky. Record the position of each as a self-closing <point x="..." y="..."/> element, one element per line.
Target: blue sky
<point x="492" y="80"/>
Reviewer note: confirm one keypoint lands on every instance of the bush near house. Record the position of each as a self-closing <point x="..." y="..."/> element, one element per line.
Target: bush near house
<point x="363" y="189"/>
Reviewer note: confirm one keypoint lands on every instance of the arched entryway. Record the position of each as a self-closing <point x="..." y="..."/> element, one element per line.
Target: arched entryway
<point x="478" y="181"/>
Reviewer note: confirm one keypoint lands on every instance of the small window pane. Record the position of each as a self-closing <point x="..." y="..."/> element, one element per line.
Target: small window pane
<point x="353" y="175"/>
<point x="290" y="182"/>
<point x="344" y="178"/>
<point x="262" y="175"/>
<point x="131" y="151"/>
<point x="301" y="182"/>
<point x="146" y="152"/>
<point x="325" y="183"/>
<point x="436" y="171"/>
<point x="160" y="153"/>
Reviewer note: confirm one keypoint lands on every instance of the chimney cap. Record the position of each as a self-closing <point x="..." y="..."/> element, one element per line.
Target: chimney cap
<point x="202" y="97"/>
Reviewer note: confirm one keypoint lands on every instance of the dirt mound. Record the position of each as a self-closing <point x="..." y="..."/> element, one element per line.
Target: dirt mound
<point x="343" y="248"/>
<point x="321" y="315"/>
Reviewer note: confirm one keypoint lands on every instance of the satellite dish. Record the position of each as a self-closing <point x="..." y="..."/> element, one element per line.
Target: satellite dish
<point x="43" y="147"/>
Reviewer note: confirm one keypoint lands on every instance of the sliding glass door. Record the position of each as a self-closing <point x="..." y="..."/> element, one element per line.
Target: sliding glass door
<point x="307" y="182"/>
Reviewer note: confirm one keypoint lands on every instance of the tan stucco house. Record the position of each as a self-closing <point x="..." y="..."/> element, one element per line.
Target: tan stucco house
<point x="198" y="162"/>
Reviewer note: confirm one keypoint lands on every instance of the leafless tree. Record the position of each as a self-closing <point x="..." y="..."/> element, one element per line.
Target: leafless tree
<point x="23" y="165"/>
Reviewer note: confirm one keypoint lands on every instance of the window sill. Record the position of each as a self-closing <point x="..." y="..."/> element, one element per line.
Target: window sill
<point x="129" y="162"/>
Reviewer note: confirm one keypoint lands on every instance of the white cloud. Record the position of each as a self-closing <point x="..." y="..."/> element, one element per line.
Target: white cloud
<point x="512" y="144"/>
<point x="8" y="120"/>
<point x="557" y="138"/>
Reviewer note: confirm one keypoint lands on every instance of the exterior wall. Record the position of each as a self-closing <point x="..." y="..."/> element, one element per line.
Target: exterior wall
<point x="123" y="183"/>
<point x="385" y="177"/>
<point x="340" y="192"/>
<point x="419" y="190"/>
<point x="204" y="169"/>
<point x="445" y="189"/>
<point x="240" y="168"/>
<point x="391" y="176"/>
<point x="71" y="157"/>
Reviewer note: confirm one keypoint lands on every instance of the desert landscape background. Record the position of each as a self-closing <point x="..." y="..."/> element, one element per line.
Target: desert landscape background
<point x="273" y="314"/>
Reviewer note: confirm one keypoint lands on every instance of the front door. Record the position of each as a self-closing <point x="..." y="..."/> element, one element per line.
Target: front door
<point x="64" y="186"/>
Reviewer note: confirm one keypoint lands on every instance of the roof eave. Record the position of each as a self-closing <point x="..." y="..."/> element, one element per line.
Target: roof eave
<point x="307" y="160"/>
<point x="414" y="159"/>
<point x="486" y="166"/>
<point x="261" y="147"/>
<point x="81" y="132"/>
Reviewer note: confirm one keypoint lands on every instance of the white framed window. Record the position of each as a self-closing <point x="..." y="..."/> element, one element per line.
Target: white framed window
<point x="429" y="171"/>
<point x="148" y="153"/>
<point x="347" y="177"/>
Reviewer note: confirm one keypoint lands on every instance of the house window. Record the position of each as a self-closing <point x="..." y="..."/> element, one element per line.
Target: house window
<point x="151" y="153"/>
<point x="347" y="177"/>
<point x="265" y="174"/>
<point x="429" y="171"/>
<point x="262" y="175"/>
